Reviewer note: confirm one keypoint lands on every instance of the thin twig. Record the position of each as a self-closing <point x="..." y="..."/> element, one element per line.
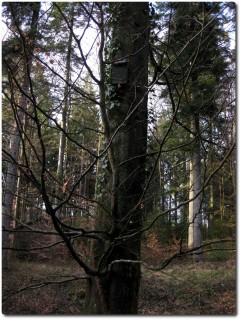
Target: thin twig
<point x="43" y="284"/>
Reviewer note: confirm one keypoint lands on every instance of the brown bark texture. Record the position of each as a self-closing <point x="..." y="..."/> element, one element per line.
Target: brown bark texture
<point x="116" y="291"/>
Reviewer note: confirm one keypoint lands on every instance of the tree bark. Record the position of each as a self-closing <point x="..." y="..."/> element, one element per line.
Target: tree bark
<point x="116" y="292"/>
<point x="195" y="214"/>
<point x="66" y="105"/>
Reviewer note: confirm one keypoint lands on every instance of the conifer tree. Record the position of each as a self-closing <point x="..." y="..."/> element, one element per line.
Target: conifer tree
<point x="194" y="54"/>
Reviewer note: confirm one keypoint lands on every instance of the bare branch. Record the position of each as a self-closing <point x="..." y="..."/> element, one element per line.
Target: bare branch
<point x="43" y="284"/>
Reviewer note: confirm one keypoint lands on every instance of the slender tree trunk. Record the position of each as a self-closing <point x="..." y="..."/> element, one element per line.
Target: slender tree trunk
<point x="211" y="191"/>
<point x="195" y="214"/>
<point x="211" y="212"/>
<point x="12" y="175"/>
<point x="116" y="292"/>
<point x="66" y="105"/>
<point x="162" y="185"/>
<point x="11" y="185"/>
<point x="62" y="141"/>
<point x="221" y="196"/>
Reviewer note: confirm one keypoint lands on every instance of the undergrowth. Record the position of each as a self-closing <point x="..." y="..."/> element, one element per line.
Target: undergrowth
<point x="183" y="288"/>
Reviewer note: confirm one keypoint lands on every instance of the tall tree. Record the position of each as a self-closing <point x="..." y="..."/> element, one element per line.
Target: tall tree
<point x="194" y="55"/>
<point x="25" y="42"/>
<point x="116" y="292"/>
<point x="65" y="108"/>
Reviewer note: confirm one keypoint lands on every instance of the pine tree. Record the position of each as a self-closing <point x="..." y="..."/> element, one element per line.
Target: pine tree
<point x="194" y="55"/>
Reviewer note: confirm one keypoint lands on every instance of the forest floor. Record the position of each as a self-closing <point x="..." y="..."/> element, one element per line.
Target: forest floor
<point x="183" y="288"/>
<point x="190" y="288"/>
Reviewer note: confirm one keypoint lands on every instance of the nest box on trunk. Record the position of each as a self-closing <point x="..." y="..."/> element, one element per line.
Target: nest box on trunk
<point x="119" y="72"/>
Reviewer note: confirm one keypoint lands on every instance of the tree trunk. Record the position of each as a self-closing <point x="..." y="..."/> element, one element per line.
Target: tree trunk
<point x="66" y="105"/>
<point x="116" y="292"/>
<point x="162" y="185"/>
<point x="195" y="214"/>
<point x="211" y="159"/>
<point x="11" y="179"/>
<point x="11" y="184"/>
<point x="211" y="212"/>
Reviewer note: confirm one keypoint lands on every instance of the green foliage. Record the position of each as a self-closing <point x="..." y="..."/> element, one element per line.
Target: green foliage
<point x="111" y="48"/>
<point x="220" y="252"/>
<point x="206" y="80"/>
<point x="224" y="226"/>
<point x="191" y="88"/>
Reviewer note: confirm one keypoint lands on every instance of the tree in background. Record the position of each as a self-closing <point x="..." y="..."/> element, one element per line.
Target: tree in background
<point x="18" y="69"/>
<point x="193" y="85"/>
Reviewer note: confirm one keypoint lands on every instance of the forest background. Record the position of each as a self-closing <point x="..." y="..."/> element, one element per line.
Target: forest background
<point x="85" y="171"/>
